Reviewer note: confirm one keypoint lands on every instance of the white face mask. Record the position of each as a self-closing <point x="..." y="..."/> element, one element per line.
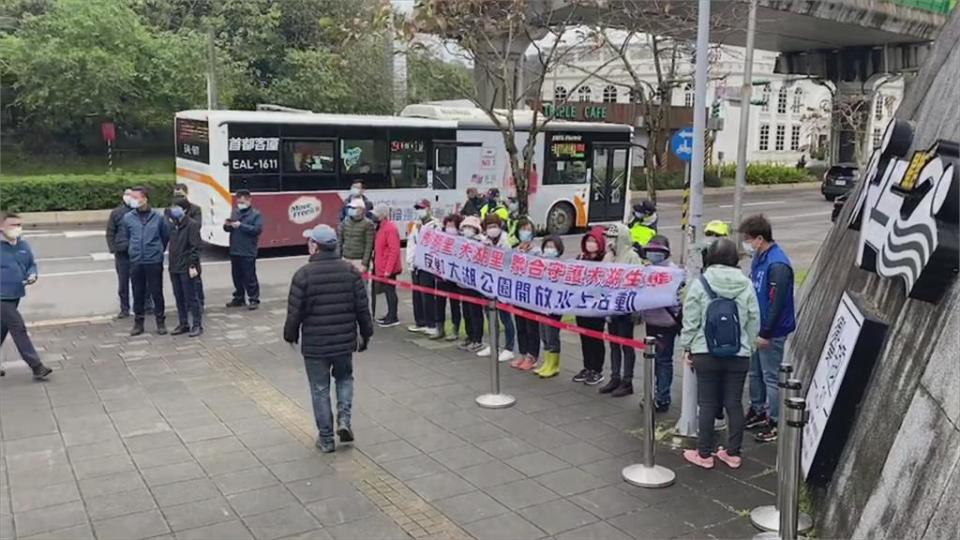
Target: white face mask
<point x="127" y="199"/>
<point x="451" y="230"/>
<point x="493" y="232"/>
<point x="748" y="248"/>
<point x="550" y="252"/>
<point x="354" y="191"/>
<point x="13" y="233"/>
<point x="422" y="213"/>
<point x="468" y="232"/>
<point x="135" y="203"/>
<point x="243" y="206"/>
<point x="356" y="212"/>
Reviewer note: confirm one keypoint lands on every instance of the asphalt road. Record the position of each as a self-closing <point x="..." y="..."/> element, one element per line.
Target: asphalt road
<point x="77" y="278"/>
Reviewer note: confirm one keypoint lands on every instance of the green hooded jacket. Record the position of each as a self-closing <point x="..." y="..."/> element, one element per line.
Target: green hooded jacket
<point x="727" y="282"/>
<point x="623" y="252"/>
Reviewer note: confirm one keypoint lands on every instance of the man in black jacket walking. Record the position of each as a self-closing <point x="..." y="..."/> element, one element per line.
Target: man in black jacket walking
<point x="326" y="305"/>
<point x="244" y="226"/>
<point x="184" y="266"/>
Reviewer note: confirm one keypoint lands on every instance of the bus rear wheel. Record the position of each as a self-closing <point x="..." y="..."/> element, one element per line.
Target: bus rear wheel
<point x="560" y="219"/>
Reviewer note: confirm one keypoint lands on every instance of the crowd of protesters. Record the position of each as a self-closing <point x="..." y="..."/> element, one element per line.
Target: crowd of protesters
<point x="367" y="241"/>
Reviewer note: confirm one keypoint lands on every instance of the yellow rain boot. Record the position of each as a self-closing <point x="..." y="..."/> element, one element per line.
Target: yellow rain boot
<point x="551" y="364"/>
<point x="544" y="364"/>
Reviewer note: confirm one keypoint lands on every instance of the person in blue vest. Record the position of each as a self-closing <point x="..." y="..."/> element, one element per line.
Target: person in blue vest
<point x="17" y="270"/>
<point x="144" y="234"/>
<point x="772" y="276"/>
<point x="244" y="228"/>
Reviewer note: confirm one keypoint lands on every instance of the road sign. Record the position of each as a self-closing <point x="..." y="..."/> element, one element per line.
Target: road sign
<point x="682" y="144"/>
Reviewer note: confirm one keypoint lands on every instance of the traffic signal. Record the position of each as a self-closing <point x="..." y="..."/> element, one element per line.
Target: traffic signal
<point x="715" y="109"/>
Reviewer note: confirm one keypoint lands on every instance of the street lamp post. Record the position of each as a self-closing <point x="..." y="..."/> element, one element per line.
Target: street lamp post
<point x="743" y="135"/>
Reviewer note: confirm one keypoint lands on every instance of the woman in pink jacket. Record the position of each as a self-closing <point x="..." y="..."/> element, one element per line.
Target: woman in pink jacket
<point x="386" y="262"/>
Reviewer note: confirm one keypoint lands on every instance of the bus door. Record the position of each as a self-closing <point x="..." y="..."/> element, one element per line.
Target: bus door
<point x="608" y="181"/>
<point x="442" y="178"/>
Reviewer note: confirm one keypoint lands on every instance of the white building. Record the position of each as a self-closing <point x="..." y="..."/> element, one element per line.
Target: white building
<point x="793" y="121"/>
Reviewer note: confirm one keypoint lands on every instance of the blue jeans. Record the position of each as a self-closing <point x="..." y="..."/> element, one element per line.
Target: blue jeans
<point x="764" y="369"/>
<point x="663" y="367"/>
<point x="318" y="374"/>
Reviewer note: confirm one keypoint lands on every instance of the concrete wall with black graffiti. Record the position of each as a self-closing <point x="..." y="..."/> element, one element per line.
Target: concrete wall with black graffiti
<point x="899" y="472"/>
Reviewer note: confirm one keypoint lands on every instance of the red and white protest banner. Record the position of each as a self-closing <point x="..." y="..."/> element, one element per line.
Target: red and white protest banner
<point x="544" y="285"/>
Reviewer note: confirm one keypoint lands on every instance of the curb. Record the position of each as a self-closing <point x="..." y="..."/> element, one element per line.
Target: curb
<point x="99" y="217"/>
<point x="799" y="186"/>
<point x="76" y="217"/>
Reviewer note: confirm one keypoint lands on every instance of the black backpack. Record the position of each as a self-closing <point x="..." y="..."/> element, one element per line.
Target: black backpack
<point x="721" y="325"/>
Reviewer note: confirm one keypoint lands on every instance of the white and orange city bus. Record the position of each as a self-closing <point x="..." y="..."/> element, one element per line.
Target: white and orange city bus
<point x="299" y="166"/>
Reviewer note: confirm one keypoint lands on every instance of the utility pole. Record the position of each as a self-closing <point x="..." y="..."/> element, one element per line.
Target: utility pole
<point x="687" y="425"/>
<point x="211" y="71"/>
<point x="695" y="229"/>
<point x="743" y="135"/>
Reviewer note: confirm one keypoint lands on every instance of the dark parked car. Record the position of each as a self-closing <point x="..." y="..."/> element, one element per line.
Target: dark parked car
<point x="839" y="179"/>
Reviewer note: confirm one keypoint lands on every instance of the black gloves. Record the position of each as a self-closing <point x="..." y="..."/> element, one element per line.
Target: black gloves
<point x="362" y="343"/>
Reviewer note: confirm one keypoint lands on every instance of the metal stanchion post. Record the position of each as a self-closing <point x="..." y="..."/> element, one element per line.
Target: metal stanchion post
<point x="495" y="399"/>
<point x="648" y="474"/>
<point x="767" y="517"/>
<point x="793" y="418"/>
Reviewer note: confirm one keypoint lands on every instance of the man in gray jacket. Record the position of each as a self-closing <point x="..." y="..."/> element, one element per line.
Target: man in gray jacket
<point x="326" y="307"/>
<point x="356" y="236"/>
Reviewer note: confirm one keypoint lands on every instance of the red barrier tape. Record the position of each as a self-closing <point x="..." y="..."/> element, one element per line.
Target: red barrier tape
<point x="511" y="309"/>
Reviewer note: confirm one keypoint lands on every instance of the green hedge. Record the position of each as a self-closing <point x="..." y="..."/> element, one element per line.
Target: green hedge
<point x="669" y="180"/>
<point x="79" y="192"/>
<point x="764" y="173"/>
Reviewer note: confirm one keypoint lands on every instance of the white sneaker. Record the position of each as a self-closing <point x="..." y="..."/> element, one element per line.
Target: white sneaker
<point x="506" y="355"/>
<point x="431" y="332"/>
<point x="484" y="351"/>
<point x="416" y="328"/>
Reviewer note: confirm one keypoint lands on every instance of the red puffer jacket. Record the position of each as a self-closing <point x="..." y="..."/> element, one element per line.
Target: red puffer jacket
<point x="386" y="250"/>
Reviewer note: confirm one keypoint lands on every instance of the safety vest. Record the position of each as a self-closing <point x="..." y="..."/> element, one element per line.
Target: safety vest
<point x="641" y="234"/>
<point x="500" y="210"/>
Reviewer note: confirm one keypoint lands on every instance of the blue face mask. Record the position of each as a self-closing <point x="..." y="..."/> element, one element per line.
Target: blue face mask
<point x="176" y="213"/>
<point x="656" y="257"/>
<point x="525" y="235"/>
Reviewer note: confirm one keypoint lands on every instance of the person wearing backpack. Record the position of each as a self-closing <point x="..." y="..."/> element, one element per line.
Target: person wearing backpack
<point x="721" y="319"/>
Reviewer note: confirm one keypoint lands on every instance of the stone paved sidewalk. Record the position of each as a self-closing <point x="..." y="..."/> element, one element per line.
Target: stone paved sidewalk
<point x="160" y="437"/>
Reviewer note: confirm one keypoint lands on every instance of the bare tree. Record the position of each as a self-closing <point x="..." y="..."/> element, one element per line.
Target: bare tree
<point x="513" y="44"/>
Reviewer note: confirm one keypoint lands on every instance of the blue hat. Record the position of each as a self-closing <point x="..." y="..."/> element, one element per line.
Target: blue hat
<point x="322" y="234"/>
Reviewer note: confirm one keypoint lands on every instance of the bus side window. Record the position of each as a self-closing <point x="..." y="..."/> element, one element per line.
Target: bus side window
<point x="365" y="159"/>
<point x="309" y="156"/>
<point x="408" y="163"/>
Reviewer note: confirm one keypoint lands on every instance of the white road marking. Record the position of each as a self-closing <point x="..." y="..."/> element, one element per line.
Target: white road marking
<point x="205" y="264"/>
<point x="83" y="234"/>
<point x="755" y="203"/>
<point x="102" y="256"/>
<point x="59" y="259"/>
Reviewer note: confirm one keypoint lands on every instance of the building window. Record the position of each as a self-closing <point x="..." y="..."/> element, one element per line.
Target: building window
<point x="781" y="138"/>
<point x="610" y="94"/>
<point x="878" y="108"/>
<point x="560" y="94"/>
<point x="764" y="138"/>
<point x="877" y="134"/>
<point x="583" y="93"/>
<point x="795" y="138"/>
<point x="797" y="100"/>
<point x="782" y="100"/>
<point x="688" y="95"/>
<point x="765" y="107"/>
